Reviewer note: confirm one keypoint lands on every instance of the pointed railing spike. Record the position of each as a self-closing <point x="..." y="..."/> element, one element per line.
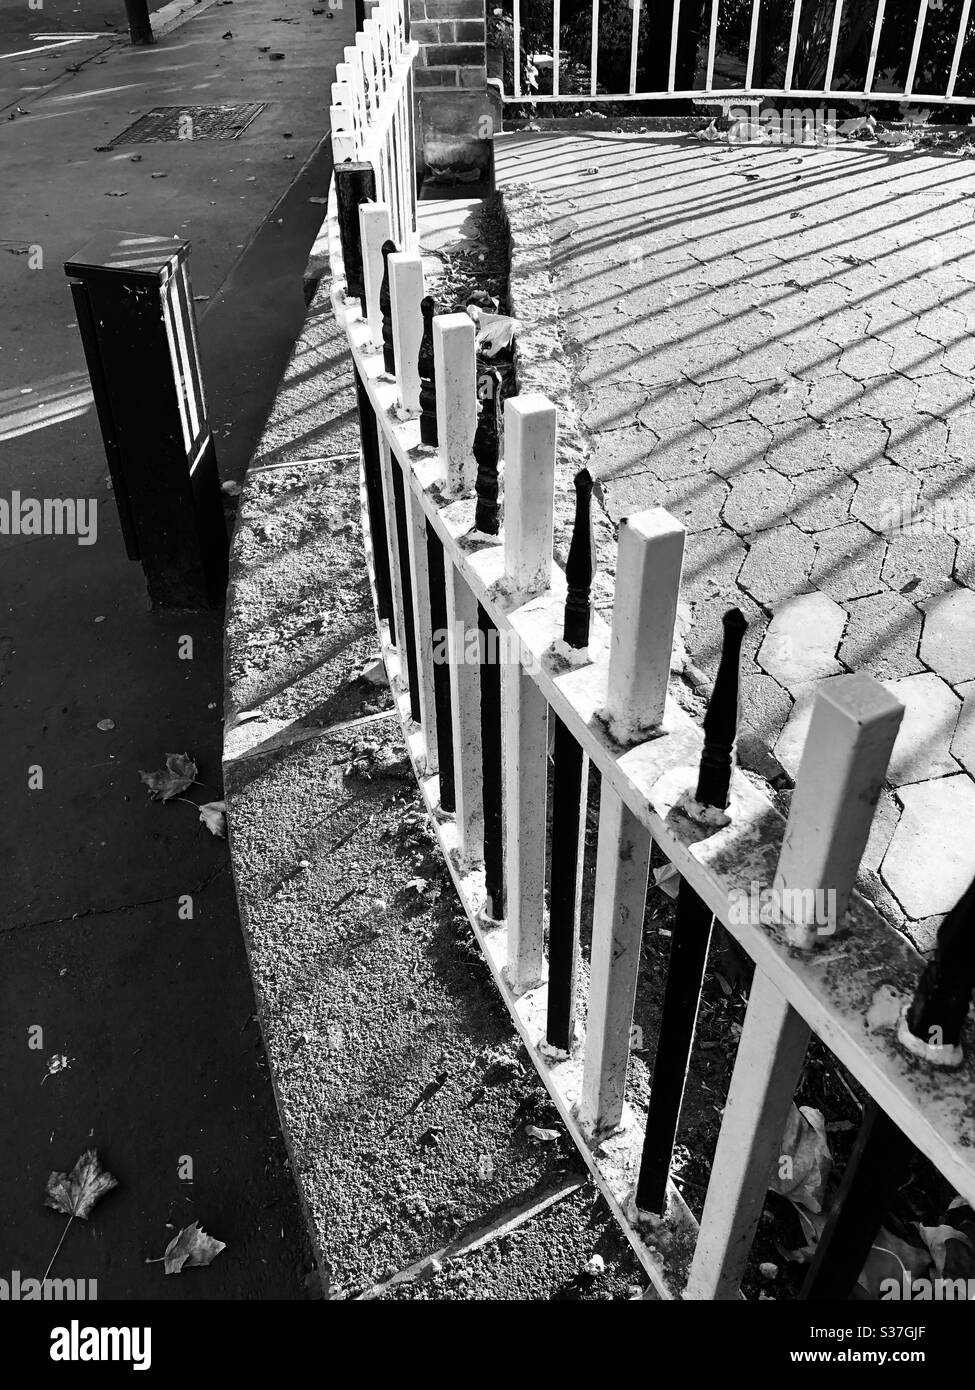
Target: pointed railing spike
<point x="932" y="1025"/>
<point x="428" y="384"/>
<point x="487" y="513"/>
<point x="721" y="719"/>
<point x="386" y="309"/>
<point x="580" y="567"/>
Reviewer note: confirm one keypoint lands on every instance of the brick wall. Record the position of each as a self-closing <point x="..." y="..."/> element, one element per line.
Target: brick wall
<point x="451" y="38"/>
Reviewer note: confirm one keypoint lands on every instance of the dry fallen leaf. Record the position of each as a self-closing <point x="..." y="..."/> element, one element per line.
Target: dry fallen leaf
<point x="545" y="1135"/>
<point x="190" y="1248"/>
<point x="804" y="1159"/>
<point x="213" y="814"/>
<point x="166" y="782"/>
<point x="75" y="1193"/>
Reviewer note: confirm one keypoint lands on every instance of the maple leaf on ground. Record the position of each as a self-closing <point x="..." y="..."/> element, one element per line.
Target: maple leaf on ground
<point x="166" y="782"/>
<point x="213" y="814"/>
<point x="75" y="1193"/>
<point x="190" y="1248"/>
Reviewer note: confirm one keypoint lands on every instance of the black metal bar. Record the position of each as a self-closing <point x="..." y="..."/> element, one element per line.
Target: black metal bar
<point x="691" y="938"/>
<point x="491" y="778"/>
<point x="360" y="13"/>
<point x="940" y="1005"/>
<point x="441" y="670"/>
<point x="386" y="310"/>
<point x="487" y="514"/>
<point x="568" y="810"/>
<point x="580" y="565"/>
<point x="372" y="472"/>
<point x="409" y="621"/>
<point x="877" y="1166"/>
<point x="135" y="315"/>
<point x="428" y="378"/>
<point x="355" y="183"/>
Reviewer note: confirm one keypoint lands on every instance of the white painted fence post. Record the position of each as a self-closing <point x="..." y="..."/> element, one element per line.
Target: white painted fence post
<point x="374" y="230"/>
<point x="844" y="761"/>
<point x="405" y="292"/>
<point x="648" y="566"/>
<point x="525" y="745"/>
<point x="465" y="701"/>
<point x="622" y="870"/>
<point x="529" y="491"/>
<point x="454" y="365"/>
<point x="770" y="1055"/>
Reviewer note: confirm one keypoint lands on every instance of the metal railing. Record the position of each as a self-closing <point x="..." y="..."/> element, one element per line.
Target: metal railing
<point x="489" y="645"/>
<point x="818" y="44"/>
<point x="371" y="115"/>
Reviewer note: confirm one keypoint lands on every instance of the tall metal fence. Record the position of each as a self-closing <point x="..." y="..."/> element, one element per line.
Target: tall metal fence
<point x="888" y="51"/>
<point x="506" y="680"/>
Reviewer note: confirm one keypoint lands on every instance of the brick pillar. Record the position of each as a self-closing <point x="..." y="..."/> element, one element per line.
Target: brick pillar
<point x="457" y="114"/>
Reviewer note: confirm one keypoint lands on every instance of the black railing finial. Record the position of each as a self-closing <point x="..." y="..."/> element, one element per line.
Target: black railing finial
<point x="428" y="378"/>
<point x="580" y="566"/>
<point x="721" y="719"/>
<point x="937" y="1014"/>
<point x="386" y="310"/>
<point x="486" y="443"/>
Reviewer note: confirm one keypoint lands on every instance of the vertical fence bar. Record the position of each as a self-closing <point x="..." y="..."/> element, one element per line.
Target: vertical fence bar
<point x="916" y="49"/>
<point x="529" y="489"/>
<point x="622" y="872"/>
<point x="878" y="25"/>
<point x="465" y="700"/>
<point x="354" y="184"/>
<point x="851" y="734"/>
<point x="406" y="293"/>
<point x="556" y="57"/>
<point x="648" y="568"/>
<point x="959" y="47"/>
<point x="422" y="673"/>
<point x="793" y="41"/>
<point x="491" y="756"/>
<point x="569" y="790"/>
<point x="374" y="230"/>
<point x="487" y="513"/>
<point x="525" y="783"/>
<point x="833" y="42"/>
<point x="454" y="365"/>
<point x="516" y="45"/>
<point x="634" y="45"/>
<point x="398" y="597"/>
<point x="691" y="938"/>
<point x="437" y="584"/>
<point x="373" y="474"/>
<point x="875" y="1170"/>
<point x="771" y="1051"/>
<point x="594" y="48"/>
<point x="713" y="44"/>
<point x="403" y="586"/>
<point x="674" y="27"/>
<point x="752" y="37"/>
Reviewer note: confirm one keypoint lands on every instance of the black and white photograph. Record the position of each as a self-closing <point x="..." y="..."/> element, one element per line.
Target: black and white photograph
<point x="487" y="674"/>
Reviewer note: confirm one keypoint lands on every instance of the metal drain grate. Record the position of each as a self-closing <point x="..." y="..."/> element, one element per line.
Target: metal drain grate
<point x="189" y="123"/>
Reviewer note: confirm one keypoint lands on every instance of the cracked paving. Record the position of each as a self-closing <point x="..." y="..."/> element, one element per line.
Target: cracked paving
<point x="785" y="365"/>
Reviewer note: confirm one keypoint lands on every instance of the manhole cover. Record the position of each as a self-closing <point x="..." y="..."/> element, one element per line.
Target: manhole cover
<point x="189" y="123"/>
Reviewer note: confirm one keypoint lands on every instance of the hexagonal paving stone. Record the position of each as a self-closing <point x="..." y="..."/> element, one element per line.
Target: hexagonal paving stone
<point x="918" y="441"/>
<point x="943" y="325"/>
<point x="959" y="357"/>
<point x="961" y="435"/>
<point x="706" y="632"/>
<point x="766" y="360"/>
<point x="681" y="452"/>
<point x="778" y="564"/>
<point x="764" y="705"/>
<point x="724" y="402"/>
<point x="821" y="499"/>
<point x="811" y="358"/>
<point x="963" y="743"/>
<point x="882" y="827"/>
<point x="886" y="495"/>
<point x="919" y="562"/>
<point x="790" y="743"/>
<point x="948" y="496"/>
<point x="617" y="452"/>
<point x="931" y="859"/>
<point x="942" y="395"/>
<point x="757" y="500"/>
<point x="853" y="443"/>
<point x="931" y="711"/>
<point x="834" y="397"/>
<point x="948" y="640"/>
<point x="867" y="358"/>
<point x="670" y="407"/>
<point x="738" y="448"/>
<point x="777" y="401"/>
<point x="887" y="397"/>
<point x="695" y="501"/>
<point x="709" y="361"/>
<point x="712" y="560"/>
<point x="882" y="636"/>
<point x="848" y="561"/>
<point x="612" y="407"/>
<point x="797" y="447"/>
<point x="801" y="640"/>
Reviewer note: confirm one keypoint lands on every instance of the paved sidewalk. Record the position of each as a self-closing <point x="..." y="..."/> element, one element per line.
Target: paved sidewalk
<point x="154" y="1010"/>
<point x="775" y="344"/>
